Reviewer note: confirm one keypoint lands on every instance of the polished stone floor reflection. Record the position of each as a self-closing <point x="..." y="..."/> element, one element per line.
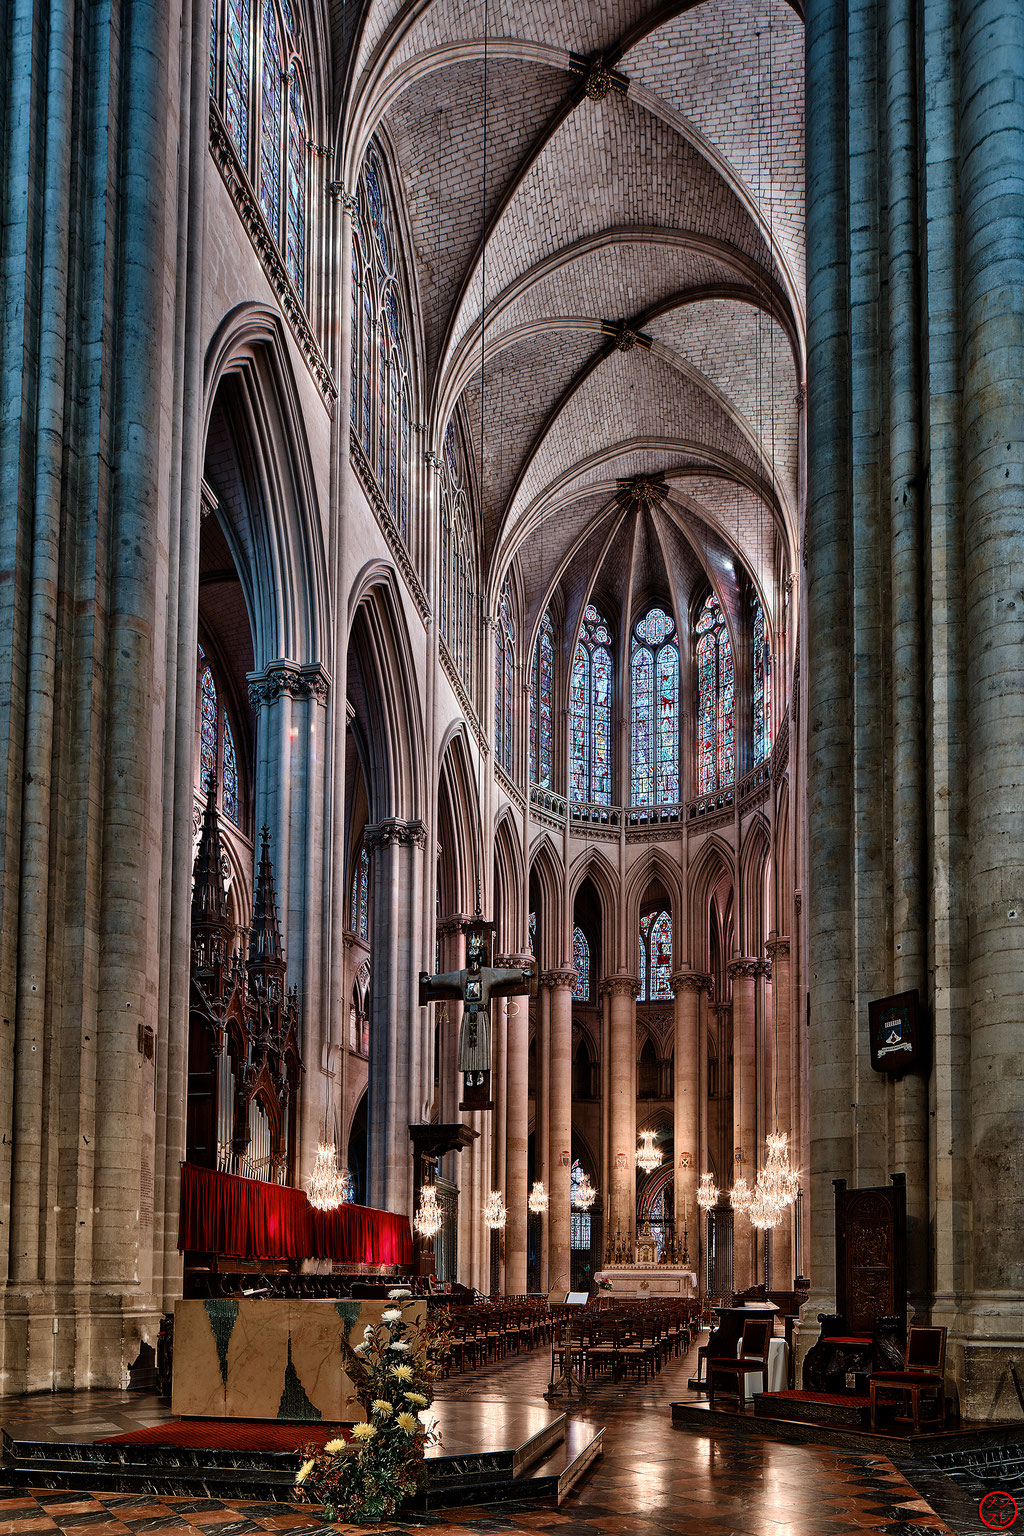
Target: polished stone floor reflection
<point x="653" y="1480"/>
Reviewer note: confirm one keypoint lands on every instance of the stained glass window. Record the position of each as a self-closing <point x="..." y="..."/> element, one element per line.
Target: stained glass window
<point x="542" y="681"/>
<point x="260" y="92"/>
<point x="590" y="703"/>
<point x="531" y="933"/>
<point x="217" y="756"/>
<point x="295" y="235"/>
<point x="230" y="800"/>
<point x="654" y="671"/>
<point x="237" y="46"/>
<point x="762" y="686"/>
<point x="270" y="119"/>
<point x="716" y="687"/>
<point x="504" y="672"/>
<point x="382" y="413"/>
<point x="360" y="922"/>
<point x="655" y="956"/>
<point x="581" y="962"/>
<point x="456" y="575"/>
<point x="209" y="728"/>
<point x="580" y="1228"/>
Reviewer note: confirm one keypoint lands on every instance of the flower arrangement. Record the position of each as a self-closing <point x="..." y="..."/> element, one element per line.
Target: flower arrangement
<point x="393" y="1367"/>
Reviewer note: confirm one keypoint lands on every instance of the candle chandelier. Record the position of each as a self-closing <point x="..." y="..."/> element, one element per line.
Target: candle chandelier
<point x="584" y="1195"/>
<point x="538" y="1199"/>
<point x="707" y="1192"/>
<point x="428" y="1219"/>
<point x="326" y="1188"/>
<point x="647" y="1155"/>
<point x="741" y="1195"/>
<point x="495" y="1214"/>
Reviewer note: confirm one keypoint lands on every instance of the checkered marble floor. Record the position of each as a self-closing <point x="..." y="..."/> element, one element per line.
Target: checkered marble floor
<point x="653" y="1479"/>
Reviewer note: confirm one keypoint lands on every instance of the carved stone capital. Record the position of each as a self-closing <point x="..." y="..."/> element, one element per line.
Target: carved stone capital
<point x="691" y="981"/>
<point x="721" y="1010"/>
<point x="764" y="968"/>
<point x="280" y="677"/>
<point x="564" y="977"/>
<point x="348" y="200"/>
<point x="407" y="834"/>
<point x="777" y="947"/>
<point x="521" y="961"/>
<point x="743" y="965"/>
<point x="620" y="986"/>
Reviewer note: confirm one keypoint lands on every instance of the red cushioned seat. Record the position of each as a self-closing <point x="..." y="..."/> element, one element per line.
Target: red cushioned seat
<point x="842" y="1338"/>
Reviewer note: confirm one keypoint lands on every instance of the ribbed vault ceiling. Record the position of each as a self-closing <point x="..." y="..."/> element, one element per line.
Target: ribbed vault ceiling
<point x="671" y="205"/>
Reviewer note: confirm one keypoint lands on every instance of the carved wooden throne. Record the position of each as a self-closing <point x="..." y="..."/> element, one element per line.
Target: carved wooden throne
<point x="867" y="1331"/>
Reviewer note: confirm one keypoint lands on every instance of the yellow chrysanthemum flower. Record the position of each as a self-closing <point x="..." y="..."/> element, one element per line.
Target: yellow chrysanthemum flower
<point x="401" y="1372"/>
<point x="408" y="1422"/>
<point x="383" y="1407"/>
<point x="415" y="1397"/>
<point x="335" y="1445"/>
<point x="304" y="1471"/>
<point x="363" y="1431"/>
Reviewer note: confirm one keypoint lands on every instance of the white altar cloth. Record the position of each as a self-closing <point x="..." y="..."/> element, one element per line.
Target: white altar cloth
<point x="778" y="1379"/>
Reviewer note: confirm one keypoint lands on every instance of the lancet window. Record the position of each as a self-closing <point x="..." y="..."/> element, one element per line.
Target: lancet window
<point x="590" y="696"/>
<point x="579" y="1238"/>
<point x="716" y="688"/>
<point x="457" y="587"/>
<point x="504" y="673"/>
<point x="655" y="956"/>
<point x="216" y="755"/>
<point x="581" y="962"/>
<point x="381" y="352"/>
<point x="761" y="674"/>
<point x="654" y="676"/>
<point x="360" y="923"/>
<point x="258" y="79"/>
<point x="542" y="682"/>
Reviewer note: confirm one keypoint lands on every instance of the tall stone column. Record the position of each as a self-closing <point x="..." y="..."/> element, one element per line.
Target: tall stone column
<point x="621" y="1205"/>
<point x="560" y="985"/>
<point x="991" y="1324"/>
<point x="396" y="848"/>
<point x="742" y="972"/>
<point x="687" y="987"/>
<point x="517" y="1133"/>
<point x="777" y="949"/>
<point x="542" y="1161"/>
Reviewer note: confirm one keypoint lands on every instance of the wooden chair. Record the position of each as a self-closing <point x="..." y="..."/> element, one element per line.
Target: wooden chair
<point x="751" y="1361"/>
<point x="923" y="1377"/>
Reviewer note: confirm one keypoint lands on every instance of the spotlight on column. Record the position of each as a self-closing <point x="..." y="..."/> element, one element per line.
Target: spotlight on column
<point x="538" y="1199"/>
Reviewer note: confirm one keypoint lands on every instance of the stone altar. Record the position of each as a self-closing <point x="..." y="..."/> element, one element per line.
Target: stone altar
<point x="648" y="1280"/>
<point x="269" y="1359"/>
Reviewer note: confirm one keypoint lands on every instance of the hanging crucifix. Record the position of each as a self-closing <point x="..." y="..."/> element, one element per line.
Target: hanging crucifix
<point x="474" y="986"/>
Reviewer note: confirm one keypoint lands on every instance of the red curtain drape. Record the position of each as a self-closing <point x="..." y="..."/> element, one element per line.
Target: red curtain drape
<point x="247" y="1219"/>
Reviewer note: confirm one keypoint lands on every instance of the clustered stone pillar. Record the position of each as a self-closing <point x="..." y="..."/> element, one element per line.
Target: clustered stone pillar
<point x="559" y="985"/>
<point x="742" y="972"/>
<point x="517" y="1129"/>
<point x="622" y="1113"/>
<point x="991" y="143"/>
<point x="780" y="1079"/>
<point x="396" y="848"/>
<point x="687" y="987"/>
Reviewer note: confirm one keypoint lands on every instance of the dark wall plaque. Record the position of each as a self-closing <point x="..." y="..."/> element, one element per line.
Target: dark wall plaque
<point x="897" y="1043"/>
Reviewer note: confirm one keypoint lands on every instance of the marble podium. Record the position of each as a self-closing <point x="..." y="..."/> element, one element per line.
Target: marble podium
<point x="648" y="1280"/>
<point x="268" y="1359"/>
